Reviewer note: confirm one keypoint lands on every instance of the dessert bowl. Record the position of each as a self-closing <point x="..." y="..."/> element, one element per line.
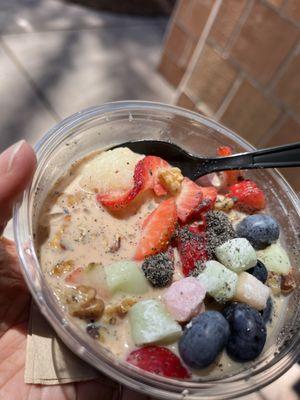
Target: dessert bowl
<point x="103" y="127"/>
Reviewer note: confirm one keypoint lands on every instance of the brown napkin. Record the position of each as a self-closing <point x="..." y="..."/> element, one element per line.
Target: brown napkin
<point x="48" y="360"/>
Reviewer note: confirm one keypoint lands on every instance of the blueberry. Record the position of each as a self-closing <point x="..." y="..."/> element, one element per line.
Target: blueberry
<point x="267" y="312"/>
<point x="261" y="230"/>
<point x="259" y="271"/>
<point x="203" y="339"/>
<point x="247" y="332"/>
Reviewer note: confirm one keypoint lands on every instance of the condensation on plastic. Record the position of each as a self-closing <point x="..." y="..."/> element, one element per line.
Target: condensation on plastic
<point x="113" y="123"/>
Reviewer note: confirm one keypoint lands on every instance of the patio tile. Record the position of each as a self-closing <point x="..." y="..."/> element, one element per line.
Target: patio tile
<point x="77" y="69"/>
<point x="22" y="114"/>
<point x="17" y="16"/>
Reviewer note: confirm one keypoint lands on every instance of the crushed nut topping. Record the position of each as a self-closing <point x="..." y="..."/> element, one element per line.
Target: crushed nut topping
<point x="83" y="303"/>
<point x="118" y="310"/>
<point x="274" y="282"/>
<point x="115" y="245"/>
<point x="171" y="179"/>
<point x="288" y="282"/>
<point x="223" y="203"/>
<point x="62" y="267"/>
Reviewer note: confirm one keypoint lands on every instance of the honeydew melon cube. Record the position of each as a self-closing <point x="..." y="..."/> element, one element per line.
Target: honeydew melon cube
<point x="251" y="291"/>
<point x="236" y="254"/>
<point x="126" y="276"/>
<point x="219" y="281"/>
<point x="275" y="259"/>
<point x="151" y="323"/>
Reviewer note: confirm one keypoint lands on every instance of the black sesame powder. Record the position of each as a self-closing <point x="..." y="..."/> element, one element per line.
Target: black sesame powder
<point x="158" y="269"/>
<point x="218" y="229"/>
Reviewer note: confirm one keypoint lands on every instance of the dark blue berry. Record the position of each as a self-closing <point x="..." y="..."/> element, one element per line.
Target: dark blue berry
<point x="204" y="339"/>
<point x="261" y="230"/>
<point x="259" y="271"/>
<point x="247" y="332"/>
<point x="267" y="312"/>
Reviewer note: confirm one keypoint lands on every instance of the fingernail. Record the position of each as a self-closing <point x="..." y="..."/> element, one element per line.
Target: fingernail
<point x="14" y="151"/>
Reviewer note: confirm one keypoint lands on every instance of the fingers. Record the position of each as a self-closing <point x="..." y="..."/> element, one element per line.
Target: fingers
<point x="17" y="165"/>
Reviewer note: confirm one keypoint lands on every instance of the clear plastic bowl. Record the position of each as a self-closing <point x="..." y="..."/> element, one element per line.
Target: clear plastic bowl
<point x="112" y="123"/>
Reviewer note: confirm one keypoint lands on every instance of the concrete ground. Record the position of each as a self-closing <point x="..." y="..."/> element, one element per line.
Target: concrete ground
<point x="57" y="58"/>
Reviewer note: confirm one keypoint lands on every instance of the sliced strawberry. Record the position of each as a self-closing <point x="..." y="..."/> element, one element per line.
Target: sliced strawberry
<point x="158" y="230"/>
<point x="192" y="249"/>
<point x="208" y="200"/>
<point x="248" y="196"/>
<point x="188" y="199"/>
<point x="145" y="177"/>
<point x="230" y="177"/>
<point x="158" y="360"/>
<point x="152" y="165"/>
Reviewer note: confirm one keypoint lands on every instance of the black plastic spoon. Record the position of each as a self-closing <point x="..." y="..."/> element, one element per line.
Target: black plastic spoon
<point x="194" y="167"/>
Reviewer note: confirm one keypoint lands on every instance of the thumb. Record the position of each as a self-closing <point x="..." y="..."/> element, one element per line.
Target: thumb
<point x="17" y="165"/>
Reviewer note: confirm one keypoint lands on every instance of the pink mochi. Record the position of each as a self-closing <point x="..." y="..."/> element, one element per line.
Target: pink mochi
<point x="184" y="298"/>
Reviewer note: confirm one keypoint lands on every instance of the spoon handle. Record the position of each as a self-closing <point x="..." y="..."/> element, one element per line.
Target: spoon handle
<point x="274" y="157"/>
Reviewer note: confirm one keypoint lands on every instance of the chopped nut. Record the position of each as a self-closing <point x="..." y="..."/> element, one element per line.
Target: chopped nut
<point x="116" y="245"/>
<point x="171" y="179"/>
<point x="84" y="304"/>
<point x="288" y="282"/>
<point x="223" y="203"/>
<point x="120" y="309"/>
<point x="274" y="282"/>
<point x="73" y="199"/>
<point x="62" y="267"/>
<point x="91" y="310"/>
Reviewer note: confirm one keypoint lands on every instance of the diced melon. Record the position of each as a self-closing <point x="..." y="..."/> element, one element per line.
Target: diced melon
<point x="110" y="171"/>
<point x="151" y="323"/>
<point x="126" y="276"/>
<point x="183" y="299"/>
<point x="219" y="281"/>
<point x="236" y="254"/>
<point x="251" y="291"/>
<point x="275" y="259"/>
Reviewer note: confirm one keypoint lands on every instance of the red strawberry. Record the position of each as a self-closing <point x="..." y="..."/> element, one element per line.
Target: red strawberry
<point x="188" y="199"/>
<point x="208" y="200"/>
<point x="192" y="249"/>
<point x="145" y="177"/>
<point x="158" y="360"/>
<point x="156" y="233"/>
<point x="248" y="196"/>
<point x="152" y="165"/>
<point x="231" y="177"/>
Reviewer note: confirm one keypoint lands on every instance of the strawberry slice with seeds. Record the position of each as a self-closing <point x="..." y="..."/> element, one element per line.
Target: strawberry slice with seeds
<point x="156" y="233"/>
<point x="248" y="196"/>
<point x="145" y="177"/>
<point x="158" y="360"/>
<point x="189" y="198"/>
<point x="231" y="177"/>
<point x="192" y="249"/>
<point x="208" y="200"/>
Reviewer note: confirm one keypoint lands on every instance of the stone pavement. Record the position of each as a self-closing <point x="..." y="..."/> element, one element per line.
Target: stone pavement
<point x="57" y="58"/>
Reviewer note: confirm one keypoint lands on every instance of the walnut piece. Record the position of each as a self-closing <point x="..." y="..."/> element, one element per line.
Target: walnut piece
<point x="83" y="303"/>
<point x="118" y="310"/>
<point x="62" y="267"/>
<point x="288" y="282"/>
<point x="223" y="203"/>
<point x="171" y="179"/>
